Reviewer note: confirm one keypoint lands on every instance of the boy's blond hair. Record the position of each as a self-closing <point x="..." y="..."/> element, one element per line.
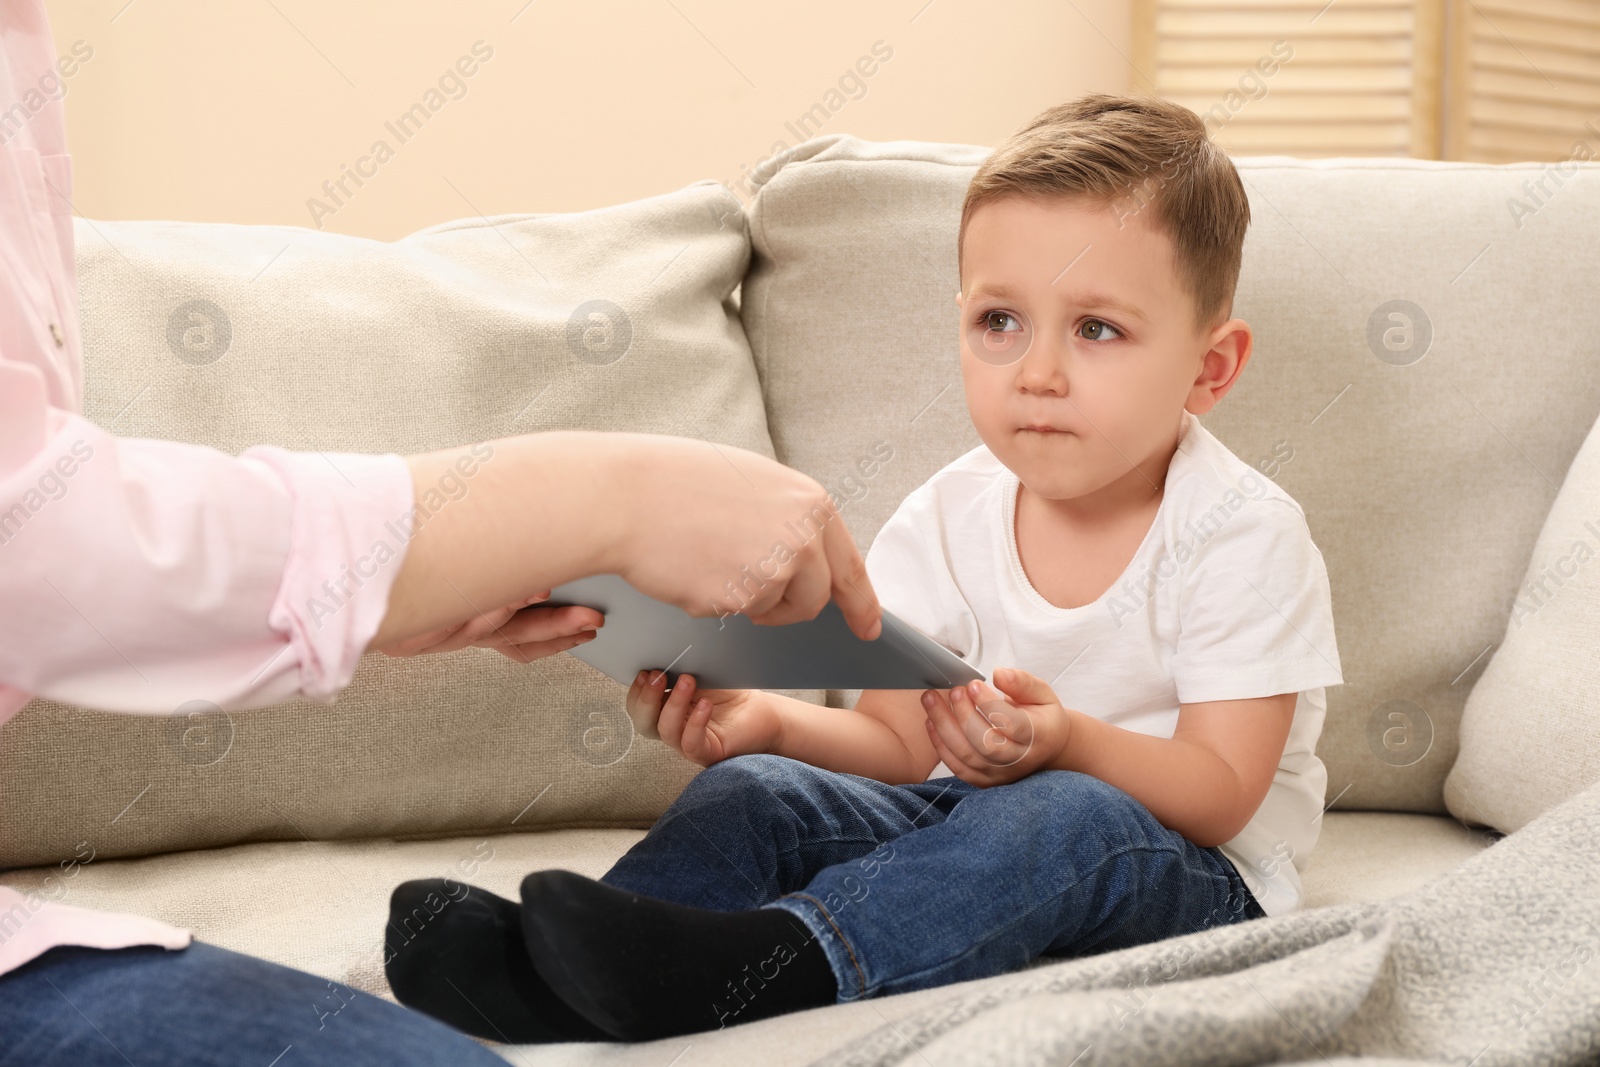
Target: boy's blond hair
<point x="1137" y="154"/>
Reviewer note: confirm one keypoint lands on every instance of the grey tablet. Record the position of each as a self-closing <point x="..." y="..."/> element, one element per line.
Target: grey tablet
<point x="734" y="653"/>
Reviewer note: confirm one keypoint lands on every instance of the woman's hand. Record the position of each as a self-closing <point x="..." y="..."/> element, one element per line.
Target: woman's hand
<point x="707" y="726"/>
<point x="711" y="528"/>
<point x="986" y="739"/>
<point x="720" y="530"/>
<point x="519" y="631"/>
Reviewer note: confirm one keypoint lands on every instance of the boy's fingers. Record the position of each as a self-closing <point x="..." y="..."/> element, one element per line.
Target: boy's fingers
<point x="946" y="721"/>
<point x="958" y="767"/>
<point x="696" y="737"/>
<point x="990" y="743"/>
<point x="675" y="712"/>
<point x="1022" y="687"/>
<point x="1010" y="734"/>
<point x="642" y="709"/>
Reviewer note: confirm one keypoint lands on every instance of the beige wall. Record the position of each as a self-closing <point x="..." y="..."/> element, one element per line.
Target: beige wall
<point x="239" y="111"/>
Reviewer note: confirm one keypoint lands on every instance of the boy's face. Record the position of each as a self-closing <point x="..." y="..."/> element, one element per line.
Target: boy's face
<point x="1110" y="356"/>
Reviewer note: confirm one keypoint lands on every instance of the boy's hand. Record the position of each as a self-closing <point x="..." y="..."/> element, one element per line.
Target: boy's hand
<point x="986" y="739"/>
<point x="707" y="726"/>
<point x="519" y="631"/>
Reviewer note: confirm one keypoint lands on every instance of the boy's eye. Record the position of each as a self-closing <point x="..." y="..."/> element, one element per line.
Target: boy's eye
<point x="999" y="337"/>
<point x="1098" y="328"/>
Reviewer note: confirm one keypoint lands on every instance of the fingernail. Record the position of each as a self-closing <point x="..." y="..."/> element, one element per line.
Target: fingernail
<point x="927" y="700"/>
<point x="589" y="627"/>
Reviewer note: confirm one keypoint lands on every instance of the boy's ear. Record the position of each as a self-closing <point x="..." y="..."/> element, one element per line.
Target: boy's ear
<point x="1221" y="365"/>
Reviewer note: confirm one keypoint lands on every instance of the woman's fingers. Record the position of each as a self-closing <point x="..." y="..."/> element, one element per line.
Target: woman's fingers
<point x="483" y="629"/>
<point x="805" y="594"/>
<point x="522" y="632"/>
<point x="533" y="650"/>
<point x="829" y="566"/>
<point x="418" y="645"/>
<point x="851" y="586"/>
<point x="451" y="638"/>
<point x="530" y="625"/>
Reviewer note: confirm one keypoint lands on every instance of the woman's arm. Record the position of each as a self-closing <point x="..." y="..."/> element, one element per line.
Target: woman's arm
<point x="689" y="522"/>
<point x="138" y="575"/>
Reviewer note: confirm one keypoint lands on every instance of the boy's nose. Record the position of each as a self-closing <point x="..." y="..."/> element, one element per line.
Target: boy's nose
<point x="1041" y="369"/>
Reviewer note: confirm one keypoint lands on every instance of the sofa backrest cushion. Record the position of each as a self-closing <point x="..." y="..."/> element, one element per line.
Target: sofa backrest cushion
<point x="616" y="319"/>
<point x="1423" y="374"/>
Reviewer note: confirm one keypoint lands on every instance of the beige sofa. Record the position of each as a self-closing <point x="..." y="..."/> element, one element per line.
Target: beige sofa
<point x="814" y="323"/>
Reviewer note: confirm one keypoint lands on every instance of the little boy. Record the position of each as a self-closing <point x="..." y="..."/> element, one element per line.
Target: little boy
<point x="1153" y="613"/>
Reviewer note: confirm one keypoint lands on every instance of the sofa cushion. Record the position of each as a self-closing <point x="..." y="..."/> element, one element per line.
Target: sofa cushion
<point x="1530" y="734"/>
<point x="1384" y="393"/>
<point x="1375" y="855"/>
<point x="321" y="907"/>
<point x="616" y="319"/>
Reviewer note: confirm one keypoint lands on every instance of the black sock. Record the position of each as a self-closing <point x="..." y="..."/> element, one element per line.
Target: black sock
<point x="642" y="969"/>
<point x="456" y="952"/>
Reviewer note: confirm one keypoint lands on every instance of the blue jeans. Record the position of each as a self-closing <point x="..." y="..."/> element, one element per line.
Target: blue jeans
<point x="912" y="886"/>
<point x="203" y="1005"/>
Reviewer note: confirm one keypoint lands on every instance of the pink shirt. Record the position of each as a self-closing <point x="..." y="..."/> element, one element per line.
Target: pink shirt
<point x="139" y="575"/>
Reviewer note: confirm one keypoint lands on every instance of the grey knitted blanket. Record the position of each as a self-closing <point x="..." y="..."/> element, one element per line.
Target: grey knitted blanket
<point x="1496" y="962"/>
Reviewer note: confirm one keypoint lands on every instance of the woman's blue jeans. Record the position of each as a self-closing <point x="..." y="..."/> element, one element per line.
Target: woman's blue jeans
<point x="203" y="1006"/>
<point x="913" y="886"/>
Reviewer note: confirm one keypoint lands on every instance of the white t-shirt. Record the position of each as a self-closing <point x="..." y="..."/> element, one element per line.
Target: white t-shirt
<point x="1227" y="598"/>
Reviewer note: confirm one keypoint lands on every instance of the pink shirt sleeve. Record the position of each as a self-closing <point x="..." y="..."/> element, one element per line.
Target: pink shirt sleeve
<point x="139" y="575"/>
